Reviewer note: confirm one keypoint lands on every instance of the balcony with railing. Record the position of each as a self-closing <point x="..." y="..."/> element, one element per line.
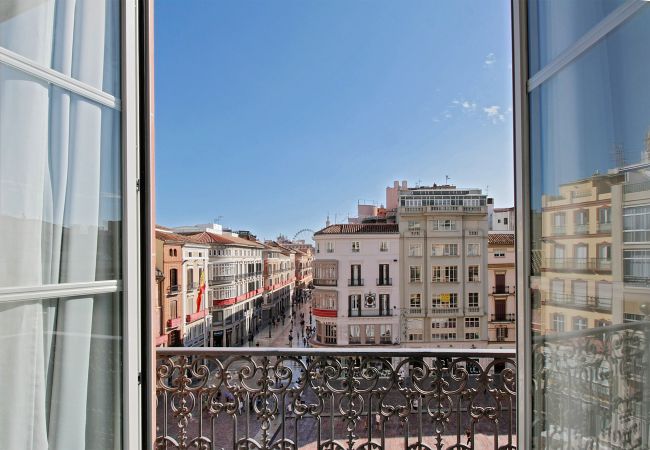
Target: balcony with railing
<point x="384" y="281"/>
<point x="589" y="303"/>
<point x="353" y="398"/>
<point x="444" y="311"/>
<point x="221" y="279"/>
<point x="355" y="281"/>
<point x="605" y="227"/>
<point x="601" y="371"/>
<point x="558" y="230"/>
<point x="367" y="312"/>
<point x="174" y="289"/>
<point x="581" y="228"/>
<point x="578" y="264"/>
<point x="505" y="317"/>
<point x="325" y="282"/>
<point x="503" y="290"/>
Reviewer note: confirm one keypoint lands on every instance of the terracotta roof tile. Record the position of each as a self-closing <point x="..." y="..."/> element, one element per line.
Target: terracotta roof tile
<point x="211" y="238"/>
<point x="507" y="239"/>
<point x="169" y="237"/>
<point x="360" y="228"/>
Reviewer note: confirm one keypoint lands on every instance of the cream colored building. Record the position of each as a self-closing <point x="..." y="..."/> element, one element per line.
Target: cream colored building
<point x="501" y="289"/>
<point x="443" y="257"/>
<point x="576" y="285"/>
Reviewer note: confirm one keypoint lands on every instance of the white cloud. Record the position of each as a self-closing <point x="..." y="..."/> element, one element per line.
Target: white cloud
<point x="490" y="59"/>
<point x="469" y="106"/>
<point x="494" y="113"/>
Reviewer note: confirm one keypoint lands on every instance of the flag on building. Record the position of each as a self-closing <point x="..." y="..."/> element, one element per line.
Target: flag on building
<point x="199" y="296"/>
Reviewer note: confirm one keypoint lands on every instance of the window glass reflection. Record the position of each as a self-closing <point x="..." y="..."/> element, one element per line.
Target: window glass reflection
<point x="556" y="25"/>
<point x="590" y="230"/>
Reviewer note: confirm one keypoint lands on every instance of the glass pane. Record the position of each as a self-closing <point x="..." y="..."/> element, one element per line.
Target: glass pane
<point x="556" y="25"/>
<point x="78" y="38"/>
<point x="67" y="366"/>
<point x="60" y="185"/>
<point x="590" y="152"/>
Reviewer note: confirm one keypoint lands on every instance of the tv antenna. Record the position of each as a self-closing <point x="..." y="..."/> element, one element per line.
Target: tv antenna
<point x="447" y="179"/>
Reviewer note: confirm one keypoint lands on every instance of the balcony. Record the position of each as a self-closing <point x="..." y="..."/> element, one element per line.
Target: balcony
<point x="173" y="290"/>
<point x="334" y="398"/>
<point x="578" y="264"/>
<point x="370" y="313"/>
<point x="444" y="311"/>
<point x="558" y="230"/>
<point x="325" y="282"/>
<point x="502" y="317"/>
<point x="581" y="228"/>
<point x="473" y="309"/>
<point x="588" y="303"/>
<point x="384" y="281"/>
<point x="221" y="279"/>
<point x="605" y="227"/>
<point x="503" y="290"/>
<point x="416" y="311"/>
<point x="596" y="370"/>
<point x="355" y="282"/>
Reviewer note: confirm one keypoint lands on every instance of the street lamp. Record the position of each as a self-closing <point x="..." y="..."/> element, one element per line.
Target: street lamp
<point x="270" y="319"/>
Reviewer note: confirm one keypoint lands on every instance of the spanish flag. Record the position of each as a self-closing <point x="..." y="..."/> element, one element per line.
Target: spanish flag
<point x="199" y="296"/>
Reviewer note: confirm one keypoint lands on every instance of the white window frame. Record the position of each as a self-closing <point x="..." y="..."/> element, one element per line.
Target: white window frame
<point x="132" y="339"/>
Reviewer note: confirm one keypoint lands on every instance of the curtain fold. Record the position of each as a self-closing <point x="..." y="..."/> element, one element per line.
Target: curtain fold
<point x="58" y="154"/>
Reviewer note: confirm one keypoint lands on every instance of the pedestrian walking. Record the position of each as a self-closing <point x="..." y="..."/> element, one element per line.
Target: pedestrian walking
<point x="304" y="342"/>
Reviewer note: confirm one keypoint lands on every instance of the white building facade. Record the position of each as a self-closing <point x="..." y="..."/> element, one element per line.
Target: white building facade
<point x="196" y="308"/>
<point x="235" y="286"/>
<point x="357" y="284"/>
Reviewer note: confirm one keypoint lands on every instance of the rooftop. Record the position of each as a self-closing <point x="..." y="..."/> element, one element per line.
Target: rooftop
<point x="501" y="239"/>
<point x="360" y="228"/>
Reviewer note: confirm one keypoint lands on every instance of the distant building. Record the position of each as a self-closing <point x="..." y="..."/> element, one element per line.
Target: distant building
<point x="170" y="323"/>
<point x="279" y="280"/>
<point x="443" y="254"/>
<point x="357" y="285"/>
<point x="234" y="284"/>
<point x="576" y="290"/>
<point x="501" y="289"/>
<point x="502" y="219"/>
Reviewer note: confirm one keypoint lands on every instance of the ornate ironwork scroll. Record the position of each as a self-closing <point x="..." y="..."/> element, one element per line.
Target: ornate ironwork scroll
<point x="591" y="389"/>
<point x="344" y="399"/>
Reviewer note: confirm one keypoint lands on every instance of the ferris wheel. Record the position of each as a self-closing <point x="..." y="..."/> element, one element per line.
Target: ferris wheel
<point x="308" y="233"/>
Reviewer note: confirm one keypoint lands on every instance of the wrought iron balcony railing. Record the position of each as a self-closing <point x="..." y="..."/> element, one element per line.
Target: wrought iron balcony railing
<point x="503" y="290"/>
<point x="355" y="281"/>
<point x="600" y="372"/>
<point x="384" y="282"/>
<point x="325" y="281"/>
<point x="505" y="317"/>
<point x="579" y="264"/>
<point x="354" y="398"/>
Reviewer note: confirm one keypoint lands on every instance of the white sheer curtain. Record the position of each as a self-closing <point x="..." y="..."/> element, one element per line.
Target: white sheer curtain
<point x="58" y="381"/>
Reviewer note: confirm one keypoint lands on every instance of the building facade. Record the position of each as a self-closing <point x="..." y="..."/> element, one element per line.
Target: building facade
<point x="502" y="306"/>
<point x="443" y="250"/>
<point x="279" y="281"/>
<point x="356" y="285"/>
<point x="577" y="290"/>
<point x="171" y="288"/>
<point x="234" y="286"/>
<point x="197" y="309"/>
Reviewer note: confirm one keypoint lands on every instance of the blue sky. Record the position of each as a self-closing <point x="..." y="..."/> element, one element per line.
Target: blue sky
<point x="272" y="113"/>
